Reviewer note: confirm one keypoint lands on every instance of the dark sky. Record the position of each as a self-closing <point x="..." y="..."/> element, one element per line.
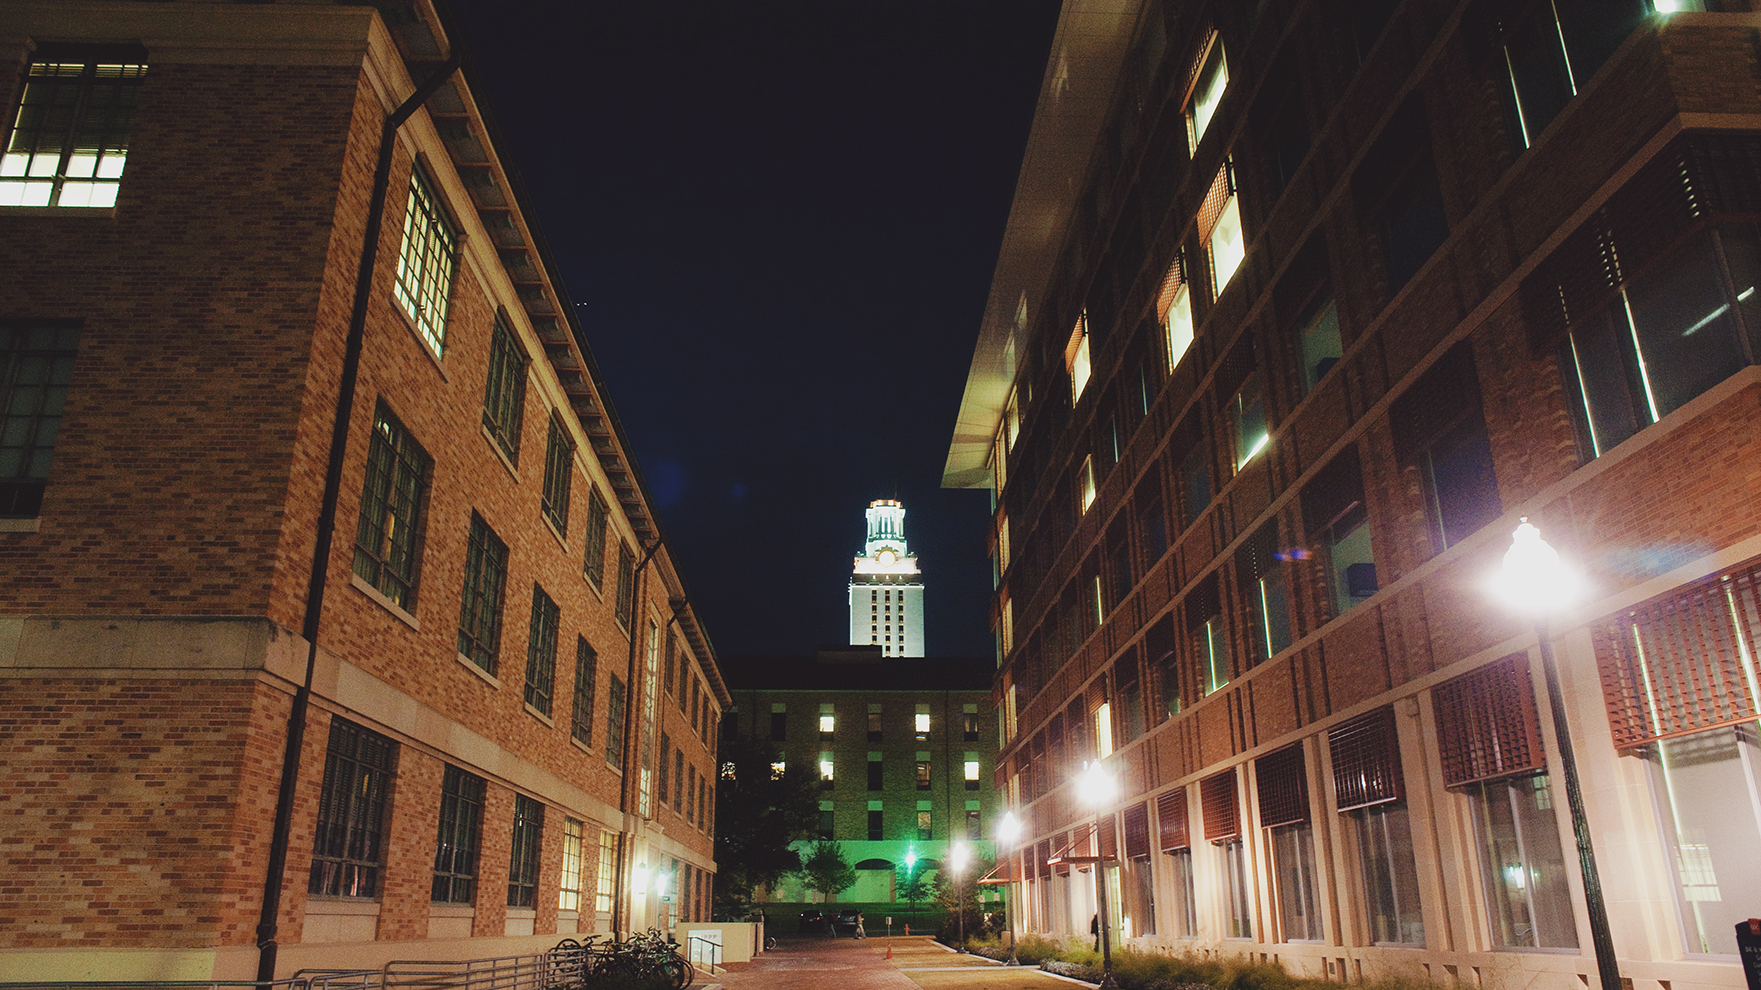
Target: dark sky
<point x="778" y="222"/>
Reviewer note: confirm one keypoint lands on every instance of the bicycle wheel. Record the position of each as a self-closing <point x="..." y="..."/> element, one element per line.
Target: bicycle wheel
<point x="678" y="972"/>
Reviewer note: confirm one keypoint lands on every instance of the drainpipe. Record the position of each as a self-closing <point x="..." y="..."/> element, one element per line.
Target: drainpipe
<point x="268" y="921"/>
<point x="626" y="838"/>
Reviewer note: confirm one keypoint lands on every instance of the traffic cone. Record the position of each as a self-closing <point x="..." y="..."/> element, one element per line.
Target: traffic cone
<point x="889" y="951"/>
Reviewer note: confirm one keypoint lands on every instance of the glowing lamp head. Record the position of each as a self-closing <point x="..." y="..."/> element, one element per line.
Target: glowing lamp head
<point x="1533" y="580"/>
<point x="1008" y="828"/>
<point x="1095" y="786"/>
<point x="639" y="878"/>
<point x="958" y="855"/>
<point x="661" y="879"/>
<point x="910" y="860"/>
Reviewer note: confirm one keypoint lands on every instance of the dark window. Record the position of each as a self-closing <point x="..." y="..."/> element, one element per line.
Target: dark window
<point x="874" y="726"/>
<point x="1152" y="527"/>
<point x="387" y="536"/>
<point x="1195" y="483"/>
<point x="779" y="726"/>
<point x="614" y="724"/>
<point x="1160" y="657"/>
<point x="593" y="562"/>
<point x="1438" y="428"/>
<point x="1397" y="183"/>
<point x="486" y="569"/>
<point x="666" y="746"/>
<point x="1131" y="699"/>
<point x="923" y="775"/>
<point x="875" y="831"/>
<point x="678" y="779"/>
<point x="1209" y="634"/>
<point x="626" y="585"/>
<point x="348" y="846"/>
<point x="1334" y="518"/>
<point x="1265" y="585"/>
<point x="1283" y="124"/>
<point x="36" y="365"/>
<point x="541" y="651"/>
<point x="504" y="398"/>
<point x="875" y="775"/>
<point x="586" y="669"/>
<point x="523" y="860"/>
<point x="70" y="140"/>
<point x="1319" y="340"/>
<point x="826" y="821"/>
<point x="974" y="827"/>
<point x="559" y="471"/>
<point x="1550" y="50"/>
<point x="461" y="824"/>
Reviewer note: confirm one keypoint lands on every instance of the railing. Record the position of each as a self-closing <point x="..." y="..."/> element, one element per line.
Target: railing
<point x="529" y="972"/>
<point x="303" y="980"/>
<point x="703" y="951"/>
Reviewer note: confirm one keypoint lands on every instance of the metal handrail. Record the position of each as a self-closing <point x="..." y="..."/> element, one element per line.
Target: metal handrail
<point x="691" y="953"/>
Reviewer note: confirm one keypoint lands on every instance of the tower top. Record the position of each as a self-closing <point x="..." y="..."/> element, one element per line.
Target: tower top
<point x="885" y="551"/>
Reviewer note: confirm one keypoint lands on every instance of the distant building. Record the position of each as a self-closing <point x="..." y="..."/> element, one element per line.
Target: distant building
<point x="509" y="706"/>
<point x="886" y="590"/>
<point x="903" y="749"/>
<point x="1301" y="308"/>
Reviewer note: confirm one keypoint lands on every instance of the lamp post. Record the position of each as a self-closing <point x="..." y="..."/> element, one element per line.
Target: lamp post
<point x="911" y="889"/>
<point x="957" y="859"/>
<point x="1095" y="789"/>
<point x="1537" y="584"/>
<point x="1008" y="830"/>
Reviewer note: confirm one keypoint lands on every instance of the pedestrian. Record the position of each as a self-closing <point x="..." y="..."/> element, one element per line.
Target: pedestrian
<point x="860" y="933"/>
<point x="1094" y="926"/>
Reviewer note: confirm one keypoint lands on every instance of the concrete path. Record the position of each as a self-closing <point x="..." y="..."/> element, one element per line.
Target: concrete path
<point x="917" y="963"/>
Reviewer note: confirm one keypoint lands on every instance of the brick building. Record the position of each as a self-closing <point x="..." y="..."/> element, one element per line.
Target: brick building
<point x="508" y="705"/>
<point x="902" y="745"/>
<point x="1301" y="308"/>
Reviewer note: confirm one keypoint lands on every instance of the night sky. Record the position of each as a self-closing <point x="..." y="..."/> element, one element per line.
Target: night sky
<point x="778" y="222"/>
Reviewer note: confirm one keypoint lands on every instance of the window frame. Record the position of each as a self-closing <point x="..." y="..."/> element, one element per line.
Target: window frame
<point x="459" y="837"/>
<point x="542" y="634"/>
<point x="423" y="282"/>
<point x="482" y="599"/>
<point x="130" y="71"/>
<point x="559" y="474"/>
<point x="349" y="853"/>
<point x="504" y="389"/>
<point x="55" y="344"/>
<point x="524" y="852"/>
<point x="391" y="521"/>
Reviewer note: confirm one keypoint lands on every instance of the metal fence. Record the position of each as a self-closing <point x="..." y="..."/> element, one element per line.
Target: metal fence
<point x="539" y="971"/>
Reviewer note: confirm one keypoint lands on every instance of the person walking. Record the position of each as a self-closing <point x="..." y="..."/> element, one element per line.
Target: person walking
<point x="860" y="933"/>
<point x="1094" y="927"/>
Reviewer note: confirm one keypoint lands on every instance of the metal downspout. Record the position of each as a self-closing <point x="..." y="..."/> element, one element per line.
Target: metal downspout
<point x="268" y="920"/>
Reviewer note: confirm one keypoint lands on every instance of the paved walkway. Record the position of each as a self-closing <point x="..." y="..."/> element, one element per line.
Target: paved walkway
<point x="917" y="963"/>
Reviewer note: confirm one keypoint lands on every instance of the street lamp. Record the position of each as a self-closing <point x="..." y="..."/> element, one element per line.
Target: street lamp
<point x="957" y="859"/>
<point x="1095" y="788"/>
<point x="1008" y="830"/>
<point x="1537" y="584"/>
<point x="911" y="889"/>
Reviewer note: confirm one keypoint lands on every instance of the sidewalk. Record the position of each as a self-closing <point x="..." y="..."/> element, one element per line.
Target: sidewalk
<point x="918" y="963"/>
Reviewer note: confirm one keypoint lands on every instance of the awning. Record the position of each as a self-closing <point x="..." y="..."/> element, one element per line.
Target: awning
<point x="1080" y="849"/>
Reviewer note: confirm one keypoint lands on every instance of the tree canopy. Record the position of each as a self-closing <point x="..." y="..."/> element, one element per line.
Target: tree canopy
<point x="827" y="871"/>
<point x="758" y="813"/>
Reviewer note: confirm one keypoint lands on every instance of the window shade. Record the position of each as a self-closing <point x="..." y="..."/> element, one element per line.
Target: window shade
<point x="1698" y="179"/>
<point x="1041" y="852"/>
<point x="1137" y="831"/>
<point x="1256" y="557"/>
<point x="1222" y="815"/>
<point x="1685" y="662"/>
<point x="1486" y="723"/>
<point x="1306" y="273"/>
<point x="1447" y="393"/>
<point x="1171" y="820"/>
<point x="1108" y="830"/>
<point x="1204" y="601"/>
<point x="1171" y="284"/>
<point x="1283" y="787"/>
<point x="1334" y="491"/>
<point x="1237" y="365"/>
<point x="1211" y="210"/>
<point x="1366" y="761"/>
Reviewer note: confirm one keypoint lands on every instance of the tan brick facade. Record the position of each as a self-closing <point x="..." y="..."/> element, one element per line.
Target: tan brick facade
<point x="151" y="611"/>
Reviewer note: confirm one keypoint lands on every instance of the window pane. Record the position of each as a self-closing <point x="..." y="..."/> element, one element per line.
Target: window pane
<point x="1179" y="326"/>
<point x="1293" y="865"/>
<point x="1228" y="246"/>
<point x="1351" y="561"/>
<point x="1209" y="93"/>
<point x="1686" y="331"/>
<point x="1608" y="392"/>
<point x="1707" y="784"/>
<point x="1461" y="488"/>
<point x="1321" y="348"/>
<point x="1522" y="866"/>
<point x="1391" y="888"/>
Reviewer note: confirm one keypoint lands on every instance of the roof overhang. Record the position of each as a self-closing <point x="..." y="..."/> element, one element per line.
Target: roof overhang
<point x="1081" y="76"/>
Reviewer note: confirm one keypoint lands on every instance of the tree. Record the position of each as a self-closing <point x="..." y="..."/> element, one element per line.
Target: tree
<point x="827" y="871"/>
<point x="912" y="884"/>
<point x="758" y="813"/>
<point x="959" y="895"/>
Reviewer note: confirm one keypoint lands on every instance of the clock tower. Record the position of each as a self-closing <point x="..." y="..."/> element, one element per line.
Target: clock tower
<point x="886" y="589"/>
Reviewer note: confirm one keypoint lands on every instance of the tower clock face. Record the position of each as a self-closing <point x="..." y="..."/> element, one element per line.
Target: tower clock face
<point x="887" y="557"/>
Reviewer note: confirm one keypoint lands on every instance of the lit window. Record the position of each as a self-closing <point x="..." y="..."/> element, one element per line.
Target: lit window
<point x="778" y="768"/>
<point x="1213" y="79"/>
<point x="971" y="771"/>
<point x="1712" y="838"/>
<point x="1076" y="359"/>
<point x="569" y="883"/>
<point x="1104" y="730"/>
<point x="1086" y="482"/>
<point x="827" y="724"/>
<point x="70" y="140"/>
<point x="825" y="770"/>
<point x="1179" y="325"/>
<point x="1522" y="864"/>
<point x="1227" y="242"/>
<point x="921" y="723"/>
<point x="605" y="876"/>
<point x="425" y="265"/>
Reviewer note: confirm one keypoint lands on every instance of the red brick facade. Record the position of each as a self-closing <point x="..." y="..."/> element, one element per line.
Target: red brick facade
<point x="151" y="612"/>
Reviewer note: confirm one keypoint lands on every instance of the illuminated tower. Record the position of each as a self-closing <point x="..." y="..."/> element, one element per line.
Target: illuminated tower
<point x="886" y="590"/>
